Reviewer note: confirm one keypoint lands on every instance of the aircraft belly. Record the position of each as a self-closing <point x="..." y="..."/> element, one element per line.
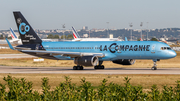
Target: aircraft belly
<point x="134" y="55"/>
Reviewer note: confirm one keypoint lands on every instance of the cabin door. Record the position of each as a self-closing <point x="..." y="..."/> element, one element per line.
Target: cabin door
<point x="153" y="48"/>
<point x="119" y="50"/>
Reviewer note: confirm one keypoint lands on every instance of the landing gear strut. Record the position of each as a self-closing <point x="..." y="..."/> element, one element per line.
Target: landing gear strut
<point x="155" y="66"/>
<point x="100" y="66"/>
<point x="78" y="67"/>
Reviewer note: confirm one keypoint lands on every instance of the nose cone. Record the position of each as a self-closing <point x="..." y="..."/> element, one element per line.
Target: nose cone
<point x="172" y="54"/>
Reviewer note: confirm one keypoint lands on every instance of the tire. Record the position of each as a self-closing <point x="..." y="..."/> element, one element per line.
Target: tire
<point x="154" y="68"/>
<point x="102" y="67"/>
<point x="75" y="68"/>
<point x="81" y="67"/>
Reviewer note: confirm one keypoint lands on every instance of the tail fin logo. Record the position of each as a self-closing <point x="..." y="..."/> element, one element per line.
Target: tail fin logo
<point x="23" y="28"/>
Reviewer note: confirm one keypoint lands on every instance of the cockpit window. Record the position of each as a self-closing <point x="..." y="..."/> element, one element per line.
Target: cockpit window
<point x="165" y="48"/>
<point x="168" y="48"/>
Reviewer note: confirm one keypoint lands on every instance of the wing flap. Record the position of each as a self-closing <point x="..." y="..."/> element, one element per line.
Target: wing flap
<point x="70" y="54"/>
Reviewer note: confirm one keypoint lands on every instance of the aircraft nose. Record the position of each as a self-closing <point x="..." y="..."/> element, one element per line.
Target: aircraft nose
<point x="172" y="54"/>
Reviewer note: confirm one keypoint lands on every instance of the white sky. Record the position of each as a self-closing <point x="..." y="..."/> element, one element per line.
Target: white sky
<point x="52" y="14"/>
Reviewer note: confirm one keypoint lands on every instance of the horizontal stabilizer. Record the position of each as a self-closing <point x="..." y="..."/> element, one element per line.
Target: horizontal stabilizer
<point x="126" y="39"/>
<point x="10" y="46"/>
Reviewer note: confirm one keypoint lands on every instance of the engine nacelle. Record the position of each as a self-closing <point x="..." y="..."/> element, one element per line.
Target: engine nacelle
<point x="125" y="61"/>
<point x="87" y="60"/>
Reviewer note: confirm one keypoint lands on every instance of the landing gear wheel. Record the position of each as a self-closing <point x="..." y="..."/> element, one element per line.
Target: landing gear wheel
<point x="81" y="67"/>
<point x="78" y="68"/>
<point x="99" y="67"/>
<point x="102" y="66"/>
<point x="154" y="68"/>
<point x="74" y="67"/>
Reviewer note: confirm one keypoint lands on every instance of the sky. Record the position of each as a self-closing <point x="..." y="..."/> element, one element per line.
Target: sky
<point x="52" y="14"/>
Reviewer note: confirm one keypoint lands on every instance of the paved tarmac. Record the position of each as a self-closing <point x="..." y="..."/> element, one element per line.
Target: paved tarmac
<point x="11" y="56"/>
<point x="87" y="70"/>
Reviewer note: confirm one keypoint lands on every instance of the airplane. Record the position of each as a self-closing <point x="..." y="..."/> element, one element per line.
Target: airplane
<point x="77" y="37"/>
<point x="89" y="53"/>
<point x="15" y="39"/>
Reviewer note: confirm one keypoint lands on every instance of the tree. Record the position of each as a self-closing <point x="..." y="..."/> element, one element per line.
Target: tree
<point x="154" y="39"/>
<point x="50" y="36"/>
<point x="70" y="36"/>
<point x="63" y="37"/>
<point x="2" y="37"/>
<point x="56" y="36"/>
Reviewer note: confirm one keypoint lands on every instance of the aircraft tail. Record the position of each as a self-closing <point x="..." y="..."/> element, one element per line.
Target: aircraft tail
<point x="75" y="34"/>
<point x="13" y="35"/>
<point x="27" y="34"/>
<point x="141" y="39"/>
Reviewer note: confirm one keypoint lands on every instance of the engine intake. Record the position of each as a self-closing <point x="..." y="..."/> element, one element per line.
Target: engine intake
<point x="87" y="60"/>
<point x="125" y="61"/>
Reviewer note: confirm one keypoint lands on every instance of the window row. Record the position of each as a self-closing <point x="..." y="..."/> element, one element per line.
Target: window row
<point x="71" y="48"/>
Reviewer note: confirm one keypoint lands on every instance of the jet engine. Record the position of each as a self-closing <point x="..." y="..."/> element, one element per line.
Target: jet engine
<point x="125" y="61"/>
<point x="87" y="60"/>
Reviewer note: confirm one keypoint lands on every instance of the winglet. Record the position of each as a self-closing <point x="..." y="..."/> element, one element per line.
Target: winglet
<point x="126" y="39"/>
<point x="10" y="46"/>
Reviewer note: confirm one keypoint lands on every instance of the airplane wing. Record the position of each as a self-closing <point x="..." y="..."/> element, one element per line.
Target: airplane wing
<point x="10" y="46"/>
<point x="63" y="53"/>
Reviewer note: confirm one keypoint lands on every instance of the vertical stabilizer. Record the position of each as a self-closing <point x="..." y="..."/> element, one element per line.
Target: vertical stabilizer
<point x="75" y="34"/>
<point x="27" y="34"/>
<point x="13" y="35"/>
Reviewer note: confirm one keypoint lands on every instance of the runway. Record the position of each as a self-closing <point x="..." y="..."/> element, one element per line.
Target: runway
<point x="87" y="70"/>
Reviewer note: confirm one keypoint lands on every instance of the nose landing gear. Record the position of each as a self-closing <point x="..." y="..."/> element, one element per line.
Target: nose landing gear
<point x="155" y="65"/>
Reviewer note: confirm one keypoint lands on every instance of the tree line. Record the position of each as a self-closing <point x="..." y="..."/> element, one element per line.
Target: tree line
<point x="56" y="36"/>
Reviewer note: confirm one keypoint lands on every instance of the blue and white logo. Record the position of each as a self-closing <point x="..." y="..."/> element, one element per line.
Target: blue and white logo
<point x="23" y="28"/>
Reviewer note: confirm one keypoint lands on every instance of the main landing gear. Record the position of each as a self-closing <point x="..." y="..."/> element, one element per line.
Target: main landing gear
<point x="155" y="66"/>
<point x="100" y="66"/>
<point x="78" y="67"/>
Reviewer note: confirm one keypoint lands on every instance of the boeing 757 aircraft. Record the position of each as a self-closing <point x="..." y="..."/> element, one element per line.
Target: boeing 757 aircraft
<point x="89" y="53"/>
